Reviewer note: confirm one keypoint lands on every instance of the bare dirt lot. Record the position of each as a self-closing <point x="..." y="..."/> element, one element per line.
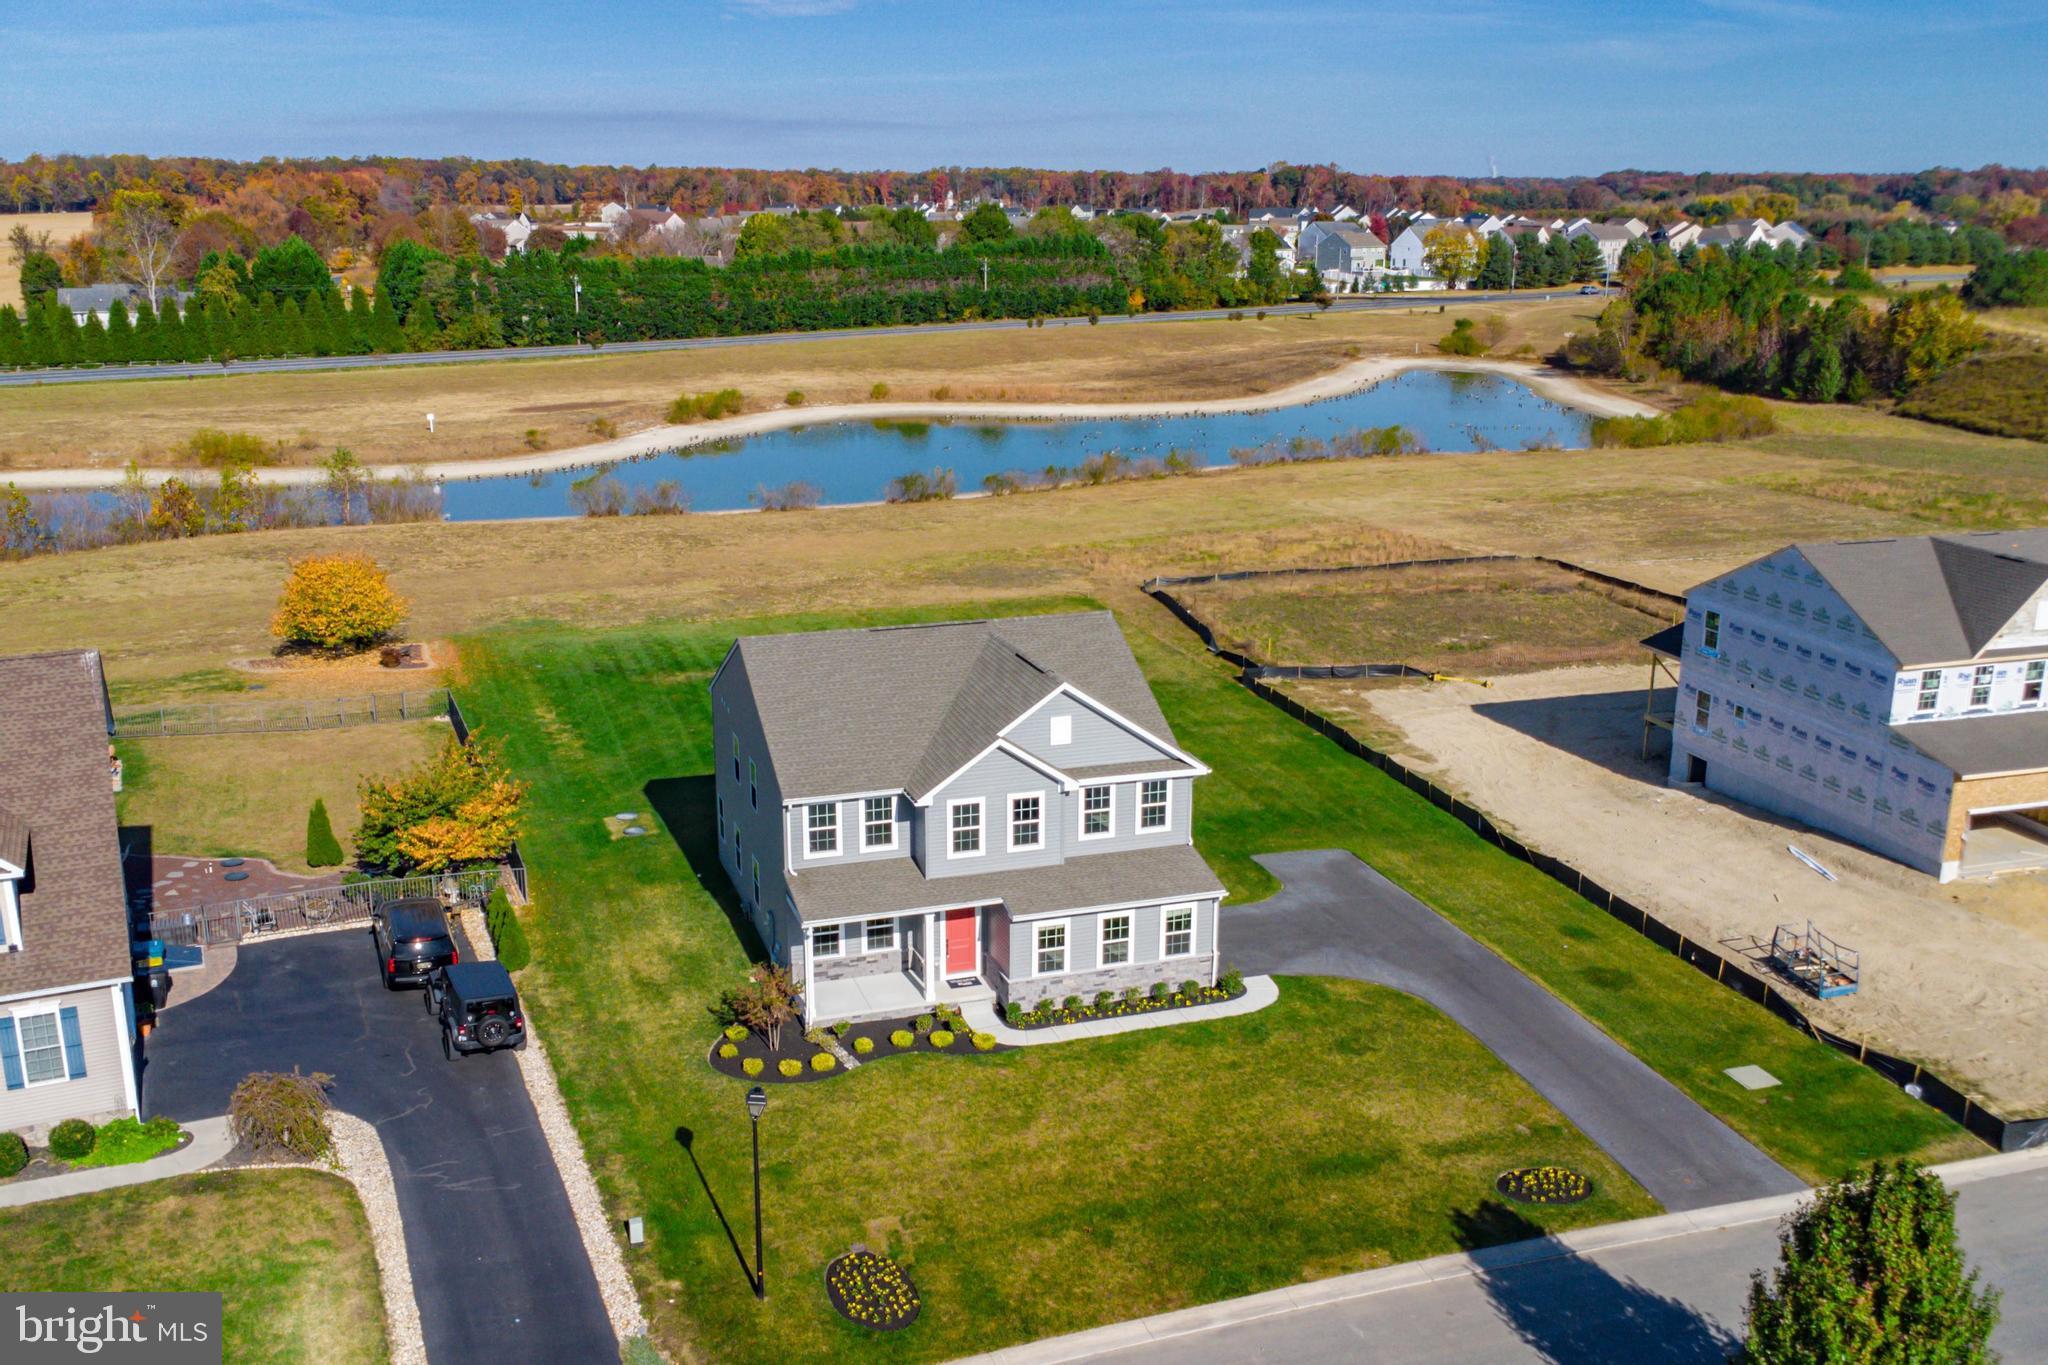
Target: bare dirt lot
<point x="1954" y="976"/>
<point x="62" y="227"/>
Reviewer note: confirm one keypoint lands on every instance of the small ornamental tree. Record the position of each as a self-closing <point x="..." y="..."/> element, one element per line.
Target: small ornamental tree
<point x="322" y="848"/>
<point x="337" y="602"/>
<point x="766" y="1002"/>
<point x="1871" y="1272"/>
<point x="459" y="807"/>
<point x="275" y="1110"/>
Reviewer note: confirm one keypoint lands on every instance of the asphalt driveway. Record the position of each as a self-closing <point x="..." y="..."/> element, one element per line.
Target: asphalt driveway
<point x="1336" y="916"/>
<point x="497" y="1263"/>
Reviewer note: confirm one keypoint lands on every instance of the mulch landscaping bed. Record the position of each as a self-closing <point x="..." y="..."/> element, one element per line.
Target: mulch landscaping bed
<point x="1544" y="1185"/>
<point x="872" y="1291"/>
<point x="880" y="1034"/>
<point x="1052" y="1016"/>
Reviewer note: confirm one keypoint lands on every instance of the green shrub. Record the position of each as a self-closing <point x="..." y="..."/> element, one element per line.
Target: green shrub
<point x="1232" y="981"/>
<point x="322" y="848"/>
<point x="823" y="1061"/>
<point x="794" y="398"/>
<point x="215" y="448"/>
<point x="790" y="1066"/>
<point x="878" y="392"/>
<point x="1159" y="991"/>
<point x="13" y="1154"/>
<point x="753" y="1066"/>
<point x="508" y="935"/>
<point x="1072" y="1002"/>
<point x="838" y="1030"/>
<point x="728" y="1050"/>
<point x="287" y="1110"/>
<point x="128" y="1140"/>
<point x="736" y="1033"/>
<point x="1711" y="417"/>
<point x="942" y="1037"/>
<point x="1131" y="995"/>
<point x="72" y="1139"/>
<point x="984" y="1042"/>
<point x="1103" y="999"/>
<point x="1190" y="988"/>
<point x="903" y="1037"/>
<point x="705" y="407"/>
<point x="923" y="1023"/>
<point x="815" y="1037"/>
<point x="1461" y="340"/>
<point x="1013" y="1013"/>
<point x="863" y="1045"/>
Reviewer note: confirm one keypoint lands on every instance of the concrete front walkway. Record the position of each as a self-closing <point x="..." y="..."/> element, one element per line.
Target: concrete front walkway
<point x="211" y="1141"/>
<point x="1259" y="992"/>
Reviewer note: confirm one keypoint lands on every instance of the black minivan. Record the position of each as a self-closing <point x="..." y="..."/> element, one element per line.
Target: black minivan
<point x="413" y="941"/>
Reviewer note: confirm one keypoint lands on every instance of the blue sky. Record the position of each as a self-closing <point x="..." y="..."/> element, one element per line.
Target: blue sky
<point x="1542" y="87"/>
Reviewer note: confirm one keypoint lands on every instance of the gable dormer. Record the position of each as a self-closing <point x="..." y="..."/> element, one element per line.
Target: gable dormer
<point x="1069" y="730"/>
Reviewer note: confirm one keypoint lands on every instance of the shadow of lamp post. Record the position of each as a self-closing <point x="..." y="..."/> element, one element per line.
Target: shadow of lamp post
<point x="757" y="1102"/>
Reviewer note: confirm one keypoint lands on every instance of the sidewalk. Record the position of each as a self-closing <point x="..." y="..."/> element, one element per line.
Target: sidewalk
<point x="1259" y="992"/>
<point x="211" y="1141"/>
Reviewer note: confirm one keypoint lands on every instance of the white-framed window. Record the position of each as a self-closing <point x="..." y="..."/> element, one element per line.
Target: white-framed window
<point x="1980" y="686"/>
<point x="1930" y="692"/>
<point x="1098" y="811"/>
<point x="1154" y="812"/>
<point x="1116" y="939"/>
<point x="880" y="935"/>
<point x="1710" y="633"/>
<point x="821" y="829"/>
<point x="39" y="1035"/>
<point x="753" y="786"/>
<point x="1177" y="931"/>
<point x="1049" y="948"/>
<point x="1703" y="710"/>
<point x="1062" y="729"/>
<point x="877" y="823"/>
<point x="1027" y="821"/>
<point x="735" y="758"/>
<point x="2032" y="690"/>
<point x="963" y="829"/>
<point x="825" y="940"/>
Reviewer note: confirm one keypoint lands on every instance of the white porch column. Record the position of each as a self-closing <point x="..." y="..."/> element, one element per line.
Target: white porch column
<point x="810" y="1006"/>
<point x="932" y="959"/>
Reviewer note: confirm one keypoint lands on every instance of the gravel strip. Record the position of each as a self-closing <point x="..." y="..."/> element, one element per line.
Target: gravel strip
<point x="614" y="1285"/>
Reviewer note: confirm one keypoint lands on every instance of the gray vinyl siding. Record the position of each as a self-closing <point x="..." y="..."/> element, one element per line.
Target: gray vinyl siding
<point x="1097" y="739"/>
<point x="1125" y="834"/>
<point x="1085" y="973"/>
<point x="797" y="832"/>
<point x="101" y="1093"/>
<point x="759" y="821"/>
<point x="994" y="779"/>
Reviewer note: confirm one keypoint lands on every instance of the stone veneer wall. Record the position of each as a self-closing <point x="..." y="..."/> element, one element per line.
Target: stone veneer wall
<point x="1172" y="971"/>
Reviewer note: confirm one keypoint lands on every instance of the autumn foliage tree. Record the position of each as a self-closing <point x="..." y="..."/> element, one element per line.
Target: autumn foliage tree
<point x="337" y="602"/>
<point x="459" y="808"/>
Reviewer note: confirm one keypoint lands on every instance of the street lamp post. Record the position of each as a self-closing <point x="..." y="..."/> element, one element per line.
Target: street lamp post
<point x="757" y="1101"/>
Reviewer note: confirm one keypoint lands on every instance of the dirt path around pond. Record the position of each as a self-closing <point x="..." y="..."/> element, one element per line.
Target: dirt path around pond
<point x="1555" y="385"/>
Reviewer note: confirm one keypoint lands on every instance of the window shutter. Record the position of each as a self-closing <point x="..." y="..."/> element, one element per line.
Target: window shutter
<point x="74" y="1046"/>
<point x="10" y="1057"/>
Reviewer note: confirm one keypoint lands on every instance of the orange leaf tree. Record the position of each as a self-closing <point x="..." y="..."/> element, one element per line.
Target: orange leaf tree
<point x="337" y="602"/>
<point x="458" y="808"/>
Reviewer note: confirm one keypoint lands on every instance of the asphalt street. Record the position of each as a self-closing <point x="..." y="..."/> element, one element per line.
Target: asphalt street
<point x="1336" y="916"/>
<point x="1664" y="1302"/>
<point x="497" y="1263"/>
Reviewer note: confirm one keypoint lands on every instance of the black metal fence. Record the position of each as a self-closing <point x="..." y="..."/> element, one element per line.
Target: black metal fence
<point x="272" y="715"/>
<point x="319" y="908"/>
<point x="2006" y="1134"/>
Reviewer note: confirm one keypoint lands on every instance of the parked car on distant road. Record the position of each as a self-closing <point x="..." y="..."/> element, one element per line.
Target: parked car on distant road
<point x="478" y="1007"/>
<point x="413" y="940"/>
<point x="1591" y="289"/>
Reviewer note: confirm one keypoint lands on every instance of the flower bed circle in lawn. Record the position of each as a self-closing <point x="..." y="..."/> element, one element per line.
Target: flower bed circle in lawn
<point x="1544" y="1185"/>
<point x="872" y="1291"/>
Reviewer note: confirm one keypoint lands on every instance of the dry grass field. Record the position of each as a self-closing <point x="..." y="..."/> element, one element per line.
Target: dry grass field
<point x="1467" y="618"/>
<point x="62" y="227"/>
<point x="488" y="408"/>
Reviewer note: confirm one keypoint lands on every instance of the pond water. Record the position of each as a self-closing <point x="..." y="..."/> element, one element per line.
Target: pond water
<point x="855" y="461"/>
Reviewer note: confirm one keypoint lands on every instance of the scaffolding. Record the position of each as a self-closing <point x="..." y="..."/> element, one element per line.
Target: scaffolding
<point x="1815" y="961"/>
<point x="1663" y="647"/>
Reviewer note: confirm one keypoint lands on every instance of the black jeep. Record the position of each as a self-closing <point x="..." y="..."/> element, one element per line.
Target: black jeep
<point x="478" y="1008"/>
<point x="412" y="941"/>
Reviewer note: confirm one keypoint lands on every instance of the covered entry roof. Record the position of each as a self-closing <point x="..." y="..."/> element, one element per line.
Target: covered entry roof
<point x="1984" y="746"/>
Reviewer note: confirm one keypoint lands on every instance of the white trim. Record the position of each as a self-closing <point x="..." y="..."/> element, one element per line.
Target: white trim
<point x="1198" y="897"/>
<point x="980" y="805"/>
<point x="55" y="1009"/>
<point x="1059" y="730"/>
<point x="946" y="954"/>
<point x="10" y="916"/>
<point x="1112" y="715"/>
<point x="1066" y="928"/>
<point x="867" y="939"/>
<point x="895" y="822"/>
<point x="1023" y="756"/>
<point x="918" y="910"/>
<point x="1010" y="811"/>
<point x="841" y="796"/>
<point x="1130" y="920"/>
<point x="126" y="1039"/>
<point x="61" y="990"/>
<point x="9" y="870"/>
<point x="1141" y="827"/>
<point x="1194" y="929"/>
<point x="1096" y="779"/>
<point x="838" y="831"/>
<point x="839" y="941"/>
<point x="1081" y="833"/>
<point x="1974" y="811"/>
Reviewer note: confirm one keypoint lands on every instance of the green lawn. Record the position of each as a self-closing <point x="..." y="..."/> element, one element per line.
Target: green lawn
<point x="1050" y="1190"/>
<point x="288" y="1252"/>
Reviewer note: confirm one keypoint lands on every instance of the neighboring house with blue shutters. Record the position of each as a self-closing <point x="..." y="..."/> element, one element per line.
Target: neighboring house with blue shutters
<point x="976" y="810"/>
<point x="66" y="1002"/>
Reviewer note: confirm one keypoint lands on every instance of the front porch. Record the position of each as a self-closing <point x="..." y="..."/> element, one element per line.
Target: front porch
<point x="893" y="966"/>
<point x="887" y="995"/>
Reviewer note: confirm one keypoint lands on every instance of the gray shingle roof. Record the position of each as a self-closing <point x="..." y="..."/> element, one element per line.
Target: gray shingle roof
<point x="888" y="708"/>
<point x="1935" y="599"/>
<point x="54" y="778"/>
<point x="891" y="886"/>
<point x="1983" y="746"/>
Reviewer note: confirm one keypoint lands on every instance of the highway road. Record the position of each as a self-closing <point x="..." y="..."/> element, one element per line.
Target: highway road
<point x="296" y="364"/>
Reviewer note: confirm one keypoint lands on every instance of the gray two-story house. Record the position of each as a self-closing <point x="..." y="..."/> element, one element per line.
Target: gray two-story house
<point x="963" y="811"/>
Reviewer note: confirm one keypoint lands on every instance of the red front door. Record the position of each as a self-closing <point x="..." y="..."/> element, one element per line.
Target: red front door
<point x="960" y="943"/>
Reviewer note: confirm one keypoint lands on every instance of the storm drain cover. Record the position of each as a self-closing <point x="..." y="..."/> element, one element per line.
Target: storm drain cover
<point x="1751" y="1077"/>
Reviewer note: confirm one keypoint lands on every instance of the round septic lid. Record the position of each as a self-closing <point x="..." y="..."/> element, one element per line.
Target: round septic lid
<point x="230" y="862"/>
<point x="627" y="815"/>
<point x="236" y="877"/>
<point x="635" y="829"/>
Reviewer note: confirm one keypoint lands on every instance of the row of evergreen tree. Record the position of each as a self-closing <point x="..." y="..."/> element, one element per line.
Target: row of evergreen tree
<point x="204" y="329"/>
